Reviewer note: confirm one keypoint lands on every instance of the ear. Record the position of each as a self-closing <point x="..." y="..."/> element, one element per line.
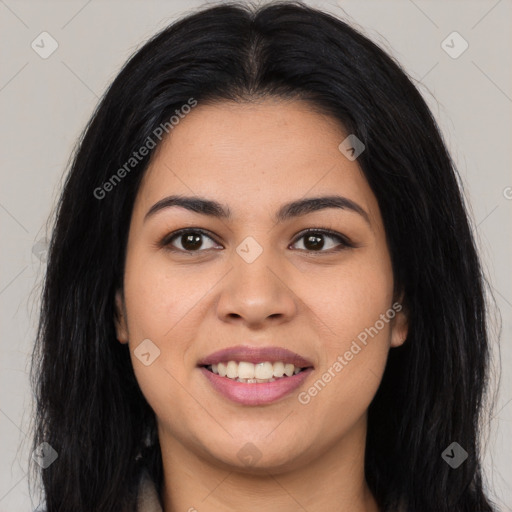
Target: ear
<point x="400" y="324"/>
<point x="120" y="318"/>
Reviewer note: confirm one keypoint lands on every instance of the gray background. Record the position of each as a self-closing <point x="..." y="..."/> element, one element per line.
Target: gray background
<point x="45" y="104"/>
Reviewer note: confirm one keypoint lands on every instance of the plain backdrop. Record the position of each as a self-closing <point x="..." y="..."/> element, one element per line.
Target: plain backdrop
<point x="46" y="102"/>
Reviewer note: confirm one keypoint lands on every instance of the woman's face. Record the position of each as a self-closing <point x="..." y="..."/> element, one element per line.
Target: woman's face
<point x="253" y="279"/>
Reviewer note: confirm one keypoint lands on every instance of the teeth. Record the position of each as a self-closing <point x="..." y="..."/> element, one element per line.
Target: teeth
<point x="232" y="370"/>
<point x="278" y="369"/>
<point x="254" y="373"/>
<point x="255" y="381"/>
<point x="221" y="369"/>
<point x="263" y="370"/>
<point x="246" y="371"/>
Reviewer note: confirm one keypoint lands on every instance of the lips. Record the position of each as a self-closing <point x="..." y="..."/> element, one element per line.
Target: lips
<point x="256" y="355"/>
<point x="251" y="391"/>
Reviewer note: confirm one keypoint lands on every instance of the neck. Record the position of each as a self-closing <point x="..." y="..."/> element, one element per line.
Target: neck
<point x="333" y="480"/>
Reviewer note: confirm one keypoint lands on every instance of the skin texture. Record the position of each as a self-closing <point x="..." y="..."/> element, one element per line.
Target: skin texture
<point x="253" y="158"/>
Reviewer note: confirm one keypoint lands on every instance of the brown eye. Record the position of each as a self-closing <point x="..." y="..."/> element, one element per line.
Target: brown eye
<point x="188" y="241"/>
<point x="315" y="241"/>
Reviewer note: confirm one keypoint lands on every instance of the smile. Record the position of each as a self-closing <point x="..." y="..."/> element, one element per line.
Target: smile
<point x="255" y="375"/>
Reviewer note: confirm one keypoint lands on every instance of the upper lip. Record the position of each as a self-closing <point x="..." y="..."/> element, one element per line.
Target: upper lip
<point x="255" y="355"/>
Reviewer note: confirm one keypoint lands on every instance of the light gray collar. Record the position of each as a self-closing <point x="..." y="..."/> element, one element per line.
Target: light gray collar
<point x="147" y="499"/>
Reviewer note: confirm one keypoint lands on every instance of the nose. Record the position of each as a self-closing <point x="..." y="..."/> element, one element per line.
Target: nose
<point x="256" y="293"/>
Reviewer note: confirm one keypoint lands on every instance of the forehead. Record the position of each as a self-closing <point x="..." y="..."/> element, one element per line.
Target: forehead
<point x="254" y="155"/>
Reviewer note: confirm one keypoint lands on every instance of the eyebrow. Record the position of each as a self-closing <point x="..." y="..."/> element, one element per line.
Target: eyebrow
<point x="286" y="212"/>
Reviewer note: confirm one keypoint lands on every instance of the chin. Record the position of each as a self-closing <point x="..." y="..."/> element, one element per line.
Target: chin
<point x="255" y="455"/>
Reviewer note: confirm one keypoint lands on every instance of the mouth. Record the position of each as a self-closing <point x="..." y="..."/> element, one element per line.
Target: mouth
<point x="255" y="376"/>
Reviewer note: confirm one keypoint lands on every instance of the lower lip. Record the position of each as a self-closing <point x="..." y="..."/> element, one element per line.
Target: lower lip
<point x="256" y="393"/>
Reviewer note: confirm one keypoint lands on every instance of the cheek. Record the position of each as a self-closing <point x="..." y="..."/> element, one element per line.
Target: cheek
<point x="354" y="306"/>
<point x="352" y="298"/>
<point x="159" y="305"/>
<point x="159" y="296"/>
<point x="355" y="350"/>
<point x="155" y="304"/>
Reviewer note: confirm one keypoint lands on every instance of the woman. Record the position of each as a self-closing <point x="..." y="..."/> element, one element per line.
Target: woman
<point x="262" y="289"/>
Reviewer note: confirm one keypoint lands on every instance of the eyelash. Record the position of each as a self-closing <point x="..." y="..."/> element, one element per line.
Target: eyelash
<point x="344" y="242"/>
